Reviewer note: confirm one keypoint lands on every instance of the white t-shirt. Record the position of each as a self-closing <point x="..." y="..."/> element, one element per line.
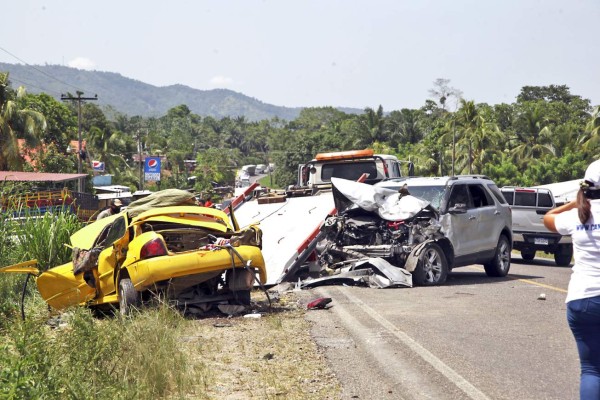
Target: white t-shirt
<point x="585" y="279"/>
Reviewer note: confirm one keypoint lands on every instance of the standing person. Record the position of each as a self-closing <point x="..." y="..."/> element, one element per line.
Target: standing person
<point x="208" y="202"/>
<point x="115" y="208"/>
<point x="581" y="219"/>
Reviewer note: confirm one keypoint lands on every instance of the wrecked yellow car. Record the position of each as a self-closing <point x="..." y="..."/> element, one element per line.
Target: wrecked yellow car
<point x="192" y="256"/>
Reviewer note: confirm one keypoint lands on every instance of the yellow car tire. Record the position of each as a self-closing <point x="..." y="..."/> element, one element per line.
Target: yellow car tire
<point x="129" y="298"/>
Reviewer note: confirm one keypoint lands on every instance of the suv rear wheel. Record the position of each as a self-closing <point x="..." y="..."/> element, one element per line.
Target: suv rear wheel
<point x="432" y="268"/>
<point x="500" y="264"/>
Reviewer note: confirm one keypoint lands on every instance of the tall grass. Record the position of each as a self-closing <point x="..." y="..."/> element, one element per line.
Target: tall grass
<point x="84" y="357"/>
<point x="43" y="237"/>
<point x="31" y="236"/>
<point x="87" y="358"/>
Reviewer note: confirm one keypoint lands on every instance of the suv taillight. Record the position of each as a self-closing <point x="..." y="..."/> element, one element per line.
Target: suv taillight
<point x="154" y="248"/>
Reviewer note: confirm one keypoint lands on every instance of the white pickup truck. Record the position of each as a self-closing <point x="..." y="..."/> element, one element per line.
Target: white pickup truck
<point x="529" y="233"/>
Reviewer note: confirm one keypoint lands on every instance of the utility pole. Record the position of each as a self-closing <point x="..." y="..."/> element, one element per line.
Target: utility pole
<point x="140" y="161"/>
<point x="78" y="99"/>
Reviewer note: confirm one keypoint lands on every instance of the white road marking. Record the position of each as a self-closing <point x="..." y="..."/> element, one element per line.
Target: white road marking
<point x="471" y="391"/>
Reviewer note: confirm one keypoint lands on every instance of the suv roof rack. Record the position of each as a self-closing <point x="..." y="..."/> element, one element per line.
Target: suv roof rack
<point x="456" y="177"/>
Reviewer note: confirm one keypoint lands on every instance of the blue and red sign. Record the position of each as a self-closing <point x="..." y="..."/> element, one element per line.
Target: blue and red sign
<point x="152" y="168"/>
<point x="98" y="166"/>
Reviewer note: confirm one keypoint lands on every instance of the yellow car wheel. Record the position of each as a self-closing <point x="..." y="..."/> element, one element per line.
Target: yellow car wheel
<point x="129" y="298"/>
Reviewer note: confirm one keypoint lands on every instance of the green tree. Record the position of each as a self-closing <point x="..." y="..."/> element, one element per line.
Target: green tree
<point x="61" y="121"/>
<point x="477" y="139"/>
<point x="215" y="165"/>
<point x="16" y="123"/>
<point x="532" y="134"/>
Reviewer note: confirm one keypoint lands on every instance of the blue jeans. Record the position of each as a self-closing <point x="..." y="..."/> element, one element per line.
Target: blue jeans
<point x="584" y="320"/>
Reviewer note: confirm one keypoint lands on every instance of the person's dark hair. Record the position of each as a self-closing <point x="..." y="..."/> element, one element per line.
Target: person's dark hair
<point x="584" y="208"/>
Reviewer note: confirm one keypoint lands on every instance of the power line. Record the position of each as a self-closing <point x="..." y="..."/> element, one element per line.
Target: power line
<point x="40" y="71"/>
<point x="34" y="86"/>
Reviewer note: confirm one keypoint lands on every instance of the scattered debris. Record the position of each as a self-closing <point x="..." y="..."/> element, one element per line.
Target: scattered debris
<point x="231" y="309"/>
<point x="253" y="315"/>
<point x="542" y="296"/>
<point x="222" y="325"/>
<point x="374" y="272"/>
<point x="319" y="304"/>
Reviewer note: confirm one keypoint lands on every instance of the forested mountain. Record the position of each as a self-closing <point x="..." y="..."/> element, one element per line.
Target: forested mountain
<point x="133" y="97"/>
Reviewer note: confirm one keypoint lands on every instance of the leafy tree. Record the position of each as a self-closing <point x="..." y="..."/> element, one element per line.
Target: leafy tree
<point x="532" y="134"/>
<point x="61" y="121"/>
<point x="591" y="139"/>
<point x="52" y="159"/>
<point x="215" y="165"/>
<point x="16" y="123"/>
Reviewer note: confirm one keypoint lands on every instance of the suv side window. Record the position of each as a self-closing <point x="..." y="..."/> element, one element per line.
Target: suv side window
<point x="459" y="195"/>
<point x="503" y="197"/>
<point x="480" y="196"/>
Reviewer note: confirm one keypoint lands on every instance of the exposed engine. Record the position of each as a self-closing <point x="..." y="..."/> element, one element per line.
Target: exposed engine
<point x="358" y="233"/>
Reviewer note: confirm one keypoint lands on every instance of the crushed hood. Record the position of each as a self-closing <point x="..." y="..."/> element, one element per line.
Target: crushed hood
<point x="387" y="203"/>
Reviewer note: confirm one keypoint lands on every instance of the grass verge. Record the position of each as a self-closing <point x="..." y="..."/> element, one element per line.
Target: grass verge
<point x="157" y="353"/>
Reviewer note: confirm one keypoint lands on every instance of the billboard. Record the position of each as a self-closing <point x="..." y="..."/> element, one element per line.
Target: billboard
<point x="152" y="168"/>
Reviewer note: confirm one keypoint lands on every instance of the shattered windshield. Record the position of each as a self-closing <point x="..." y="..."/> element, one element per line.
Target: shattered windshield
<point x="433" y="194"/>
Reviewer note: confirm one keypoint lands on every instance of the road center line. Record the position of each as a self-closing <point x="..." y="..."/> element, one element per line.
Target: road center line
<point x="425" y="354"/>
<point x="557" y="289"/>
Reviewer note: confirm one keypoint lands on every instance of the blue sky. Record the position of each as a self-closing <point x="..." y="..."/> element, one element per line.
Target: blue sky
<point x="319" y="52"/>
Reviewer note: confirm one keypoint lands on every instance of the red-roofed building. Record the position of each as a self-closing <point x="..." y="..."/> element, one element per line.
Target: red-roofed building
<point x="29" y="153"/>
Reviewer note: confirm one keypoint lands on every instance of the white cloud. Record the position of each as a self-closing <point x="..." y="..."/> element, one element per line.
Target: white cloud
<point x="81" y="63"/>
<point x="221" y="81"/>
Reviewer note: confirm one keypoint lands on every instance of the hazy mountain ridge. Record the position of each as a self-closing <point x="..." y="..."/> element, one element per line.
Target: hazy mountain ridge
<point x="133" y="97"/>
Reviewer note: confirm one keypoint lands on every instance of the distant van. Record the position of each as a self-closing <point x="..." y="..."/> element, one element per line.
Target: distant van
<point x="318" y="172"/>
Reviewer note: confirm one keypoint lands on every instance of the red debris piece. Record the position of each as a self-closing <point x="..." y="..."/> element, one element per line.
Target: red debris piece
<point x="320" y="303"/>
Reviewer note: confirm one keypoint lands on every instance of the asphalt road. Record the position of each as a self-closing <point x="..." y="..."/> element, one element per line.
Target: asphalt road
<point x="473" y="338"/>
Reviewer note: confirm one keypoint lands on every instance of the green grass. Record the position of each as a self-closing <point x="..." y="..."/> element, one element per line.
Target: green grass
<point x="83" y="357"/>
<point x="265" y="181"/>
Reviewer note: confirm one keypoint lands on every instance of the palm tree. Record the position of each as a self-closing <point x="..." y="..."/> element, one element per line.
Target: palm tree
<point x="370" y="127"/>
<point x="16" y="124"/>
<point x="591" y="139"/>
<point x="533" y="135"/>
<point x="476" y="138"/>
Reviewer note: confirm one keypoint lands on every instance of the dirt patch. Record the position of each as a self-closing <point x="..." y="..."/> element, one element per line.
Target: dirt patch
<point x="269" y="357"/>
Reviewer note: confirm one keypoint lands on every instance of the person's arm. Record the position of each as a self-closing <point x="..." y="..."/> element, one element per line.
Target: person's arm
<point x="550" y="216"/>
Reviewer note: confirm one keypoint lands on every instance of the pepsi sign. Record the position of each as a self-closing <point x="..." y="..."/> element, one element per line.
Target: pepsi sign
<point x="152" y="168"/>
<point x="98" y="166"/>
<point x="152" y="164"/>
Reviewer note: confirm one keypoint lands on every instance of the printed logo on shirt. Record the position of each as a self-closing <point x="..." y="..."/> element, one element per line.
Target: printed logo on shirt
<point x="588" y="227"/>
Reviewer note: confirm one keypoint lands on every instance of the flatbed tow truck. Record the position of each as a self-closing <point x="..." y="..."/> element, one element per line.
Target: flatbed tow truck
<point x="291" y="221"/>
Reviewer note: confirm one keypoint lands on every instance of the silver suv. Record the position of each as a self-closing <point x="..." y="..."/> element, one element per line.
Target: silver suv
<point x="475" y="219"/>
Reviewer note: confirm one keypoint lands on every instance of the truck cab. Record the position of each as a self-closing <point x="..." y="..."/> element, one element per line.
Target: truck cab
<point x="317" y="173"/>
<point x="529" y="205"/>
